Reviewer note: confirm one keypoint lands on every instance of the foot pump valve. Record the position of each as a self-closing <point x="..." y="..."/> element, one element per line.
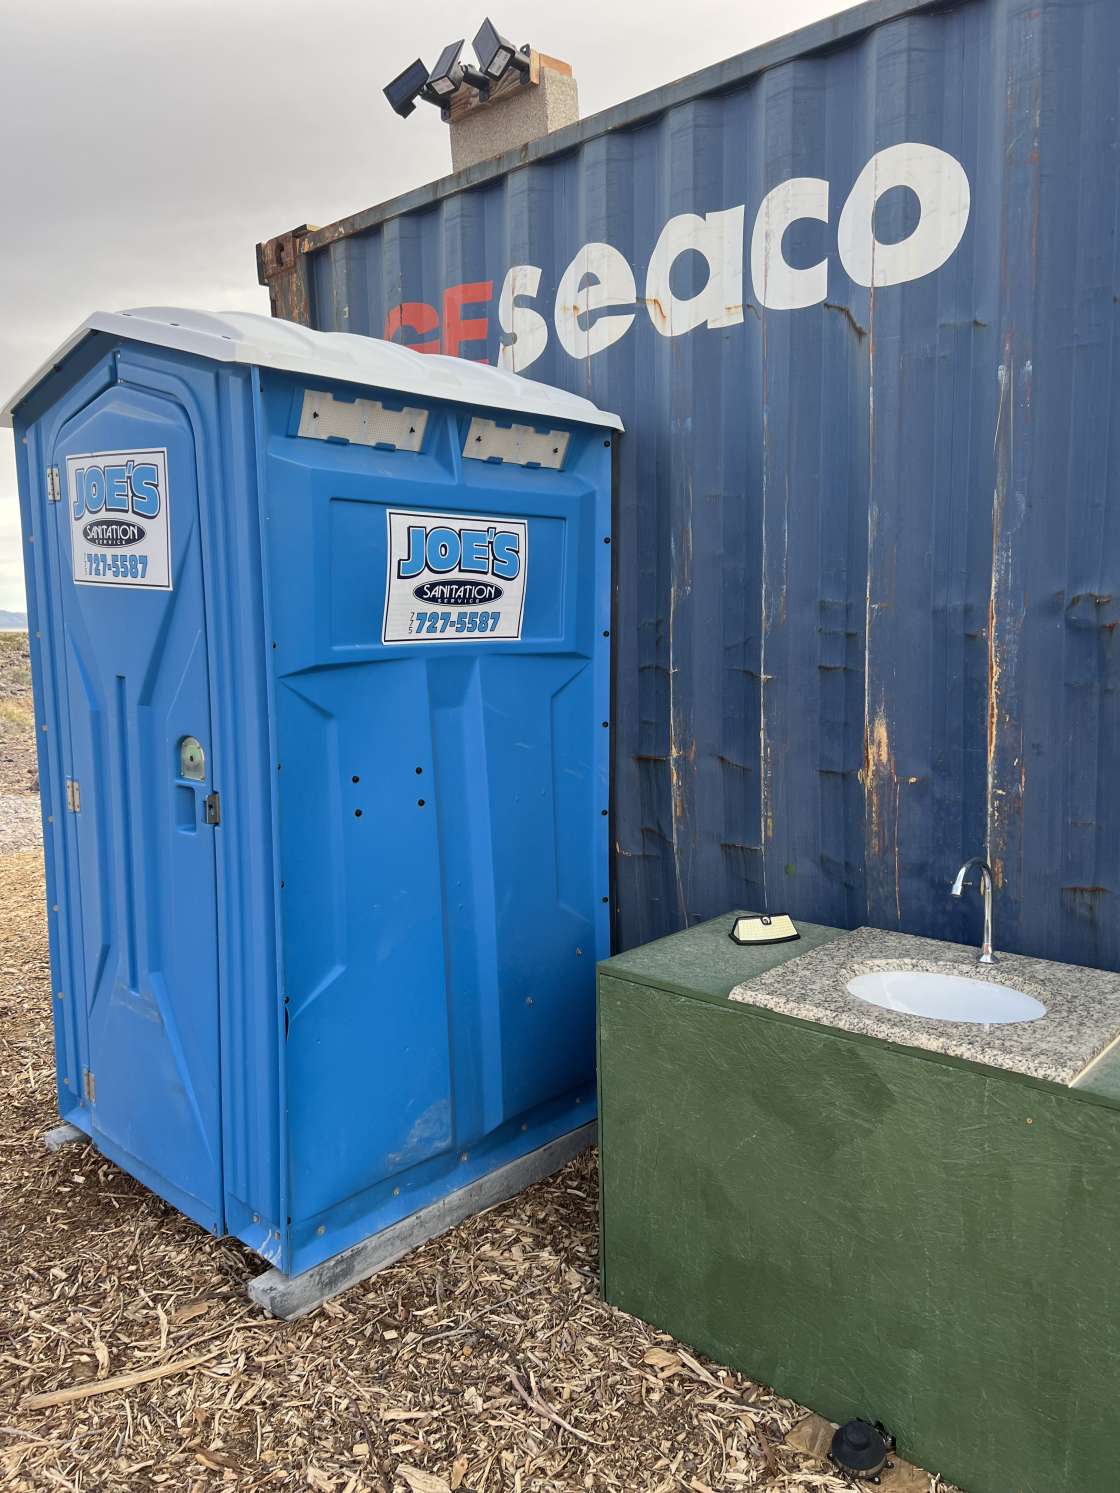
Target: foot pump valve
<point x="861" y="1449"/>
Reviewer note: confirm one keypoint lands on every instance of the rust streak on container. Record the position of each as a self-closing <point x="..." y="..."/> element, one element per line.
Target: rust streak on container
<point x="1004" y="437"/>
<point x="1084" y="901"/>
<point x="283" y="268"/>
<point x="680" y="589"/>
<point x="993" y="677"/>
<point x="657" y="313"/>
<point x="730" y="762"/>
<point x="632" y="855"/>
<point x="860" y="332"/>
<point x="878" y="771"/>
<point x="882" y="791"/>
<point x="765" y="807"/>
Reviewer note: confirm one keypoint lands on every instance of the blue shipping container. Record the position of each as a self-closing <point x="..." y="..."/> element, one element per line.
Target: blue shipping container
<point x="855" y="295"/>
<point x="321" y="660"/>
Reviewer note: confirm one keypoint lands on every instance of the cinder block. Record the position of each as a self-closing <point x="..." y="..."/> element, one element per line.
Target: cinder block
<point x="514" y="118"/>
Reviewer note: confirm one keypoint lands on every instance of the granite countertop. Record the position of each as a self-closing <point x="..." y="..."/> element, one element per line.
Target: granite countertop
<point x="1082" y="1015"/>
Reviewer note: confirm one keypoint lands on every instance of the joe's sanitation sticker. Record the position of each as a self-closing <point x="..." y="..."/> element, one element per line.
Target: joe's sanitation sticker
<point x="120" y="529"/>
<point x="454" y="577"/>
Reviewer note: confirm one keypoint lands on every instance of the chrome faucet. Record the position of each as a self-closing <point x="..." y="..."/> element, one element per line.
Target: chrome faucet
<point x="987" y="883"/>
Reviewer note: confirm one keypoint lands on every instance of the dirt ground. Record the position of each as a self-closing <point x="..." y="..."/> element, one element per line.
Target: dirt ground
<point x="484" y="1361"/>
<point x="18" y="771"/>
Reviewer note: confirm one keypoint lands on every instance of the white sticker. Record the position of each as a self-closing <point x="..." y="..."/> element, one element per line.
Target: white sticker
<point x="454" y="577"/>
<point x="120" y="529"/>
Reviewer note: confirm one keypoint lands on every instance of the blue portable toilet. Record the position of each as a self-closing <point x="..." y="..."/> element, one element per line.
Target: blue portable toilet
<point x="320" y="644"/>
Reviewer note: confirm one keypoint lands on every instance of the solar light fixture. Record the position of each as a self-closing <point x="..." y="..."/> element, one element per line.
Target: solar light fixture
<point x="409" y="86"/>
<point x="496" y="55"/>
<point x="449" y="75"/>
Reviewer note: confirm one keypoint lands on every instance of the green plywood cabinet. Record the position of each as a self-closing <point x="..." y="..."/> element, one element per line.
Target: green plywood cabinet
<point x="869" y="1229"/>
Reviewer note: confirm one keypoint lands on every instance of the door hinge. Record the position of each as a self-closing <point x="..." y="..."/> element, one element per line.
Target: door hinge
<point x="89" y="1086"/>
<point x="54" y="485"/>
<point x="73" y="796"/>
<point x="212" y="808"/>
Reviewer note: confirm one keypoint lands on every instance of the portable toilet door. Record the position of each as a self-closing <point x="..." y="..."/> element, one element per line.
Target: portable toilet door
<point x="116" y="599"/>
<point x="320" y="645"/>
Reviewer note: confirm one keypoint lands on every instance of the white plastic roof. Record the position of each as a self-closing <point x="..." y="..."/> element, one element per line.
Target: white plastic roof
<point x="264" y="342"/>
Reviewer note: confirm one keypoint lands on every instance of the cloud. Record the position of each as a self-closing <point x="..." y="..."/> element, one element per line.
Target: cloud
<point x="149" y="147"/>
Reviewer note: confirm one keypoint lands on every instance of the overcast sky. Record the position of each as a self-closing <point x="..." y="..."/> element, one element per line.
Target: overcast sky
<point x="149" y="144"/>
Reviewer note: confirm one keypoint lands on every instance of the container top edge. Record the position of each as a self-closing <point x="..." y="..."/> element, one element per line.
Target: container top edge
<point x="719" y="76"/>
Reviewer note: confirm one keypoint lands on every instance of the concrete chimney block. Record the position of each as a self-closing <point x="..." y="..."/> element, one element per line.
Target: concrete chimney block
<point x="515" y="113"/>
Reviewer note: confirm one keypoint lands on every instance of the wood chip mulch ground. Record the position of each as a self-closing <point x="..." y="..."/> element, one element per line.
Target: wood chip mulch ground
<point x="130" y="1357"/>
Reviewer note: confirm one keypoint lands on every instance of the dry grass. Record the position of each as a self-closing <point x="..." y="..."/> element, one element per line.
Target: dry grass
<point x="15" y="665"/>
<point x="18" y="769"/>
<point x="18" y="713"/>
<point x="483" y="1361"/>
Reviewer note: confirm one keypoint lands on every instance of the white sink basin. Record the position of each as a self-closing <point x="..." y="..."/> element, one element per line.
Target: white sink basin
<point x="943" y="997"/>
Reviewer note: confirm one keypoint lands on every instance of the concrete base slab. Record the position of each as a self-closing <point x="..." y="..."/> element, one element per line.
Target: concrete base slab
<point x="290" y="1296"/>
<point x="63" y="1135"/>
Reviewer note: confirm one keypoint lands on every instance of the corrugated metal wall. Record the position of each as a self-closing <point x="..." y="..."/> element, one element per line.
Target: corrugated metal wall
<point x="868" y="553"/>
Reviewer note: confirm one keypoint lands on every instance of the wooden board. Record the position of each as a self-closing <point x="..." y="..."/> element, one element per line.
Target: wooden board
<point x="870" y="1230"/>
<point x="466" y="100"/>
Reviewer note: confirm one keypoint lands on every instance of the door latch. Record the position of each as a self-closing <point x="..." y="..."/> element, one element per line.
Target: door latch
<point x="192" y="759"/>
<point x="212" y="808"/>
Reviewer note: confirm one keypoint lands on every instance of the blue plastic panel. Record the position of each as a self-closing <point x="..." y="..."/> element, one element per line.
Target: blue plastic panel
<point x="443" y="839"/>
